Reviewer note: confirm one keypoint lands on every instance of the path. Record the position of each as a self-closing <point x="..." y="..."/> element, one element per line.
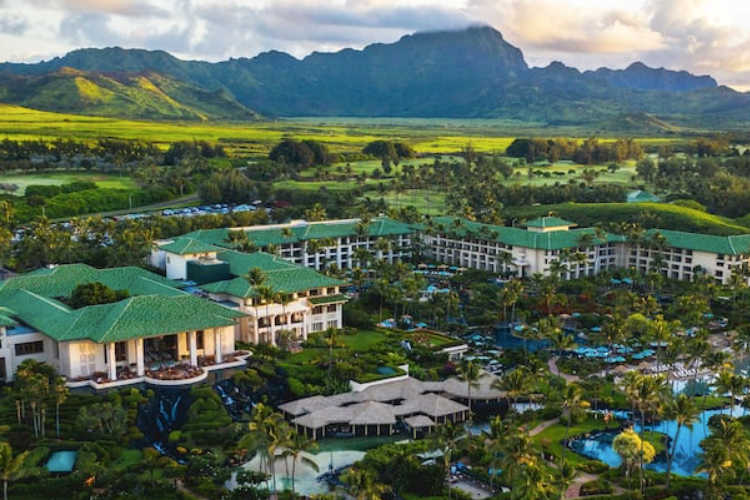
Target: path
<point x="552" y="364"/>
<point x="539" y="428"/>
<point x="574" y="490"/>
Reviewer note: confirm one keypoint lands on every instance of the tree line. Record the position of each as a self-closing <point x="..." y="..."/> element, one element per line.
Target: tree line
<point x="587" y="152"/>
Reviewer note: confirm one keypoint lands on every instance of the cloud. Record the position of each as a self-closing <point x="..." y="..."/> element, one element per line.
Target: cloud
<point x="13" y="25"/>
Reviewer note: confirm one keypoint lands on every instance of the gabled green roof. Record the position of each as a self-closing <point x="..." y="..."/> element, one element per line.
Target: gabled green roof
<point x="134" y="317"/>
<point x="304" y="231"/>
<point x="60" y="281"/>
<point x="548" y="221"/>
<point x="188" y="246"/>
<point x="639" y="196"/>
<point x="727" y="245"/>
<point x="282" y="276"/>
<point x="552" y="240"/>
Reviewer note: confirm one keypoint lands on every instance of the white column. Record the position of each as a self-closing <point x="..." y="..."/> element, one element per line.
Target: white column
<point x="217" y="345"/>
<point x="111" y="361"/>
<point x="139" y="357"/>
<point x="193" y="341"/>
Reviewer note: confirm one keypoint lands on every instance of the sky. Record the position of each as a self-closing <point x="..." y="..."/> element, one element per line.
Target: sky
<point x="701" y="36"/>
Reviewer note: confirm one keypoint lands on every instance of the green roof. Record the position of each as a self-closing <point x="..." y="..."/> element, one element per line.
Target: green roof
<point x="304" y="231"/>
<point x="282" y="276"/>
<point x="639" y="196"/>
<point x="328" y="299"/>
<point x="188" y="246"/>
<point x="727" y="245"/>
<point x="551" y="240"/>
<point x="134" y="317"/>
<point x="548" y="221"/>
<point x="60" y="281"/>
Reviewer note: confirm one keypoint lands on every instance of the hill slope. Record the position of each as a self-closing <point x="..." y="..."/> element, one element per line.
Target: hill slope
<point x="131" y="95"/>
<point x="467" y="73"/>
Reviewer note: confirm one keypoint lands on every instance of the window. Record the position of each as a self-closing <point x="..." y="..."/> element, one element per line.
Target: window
<point x="317" y="310"/>
<point x="332" y="308"/>
<point x="121" y="351"/>
<point x="333" y="324"/>
<point x="27" y="348"/>
<point x="317" y="327"/>
<point x="199" y="339"/>
<point x="168" y="260"/>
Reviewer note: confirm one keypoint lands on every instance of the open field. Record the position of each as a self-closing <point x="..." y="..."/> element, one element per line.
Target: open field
<point x="426" y="135"/>
<point x="54" y="179"/>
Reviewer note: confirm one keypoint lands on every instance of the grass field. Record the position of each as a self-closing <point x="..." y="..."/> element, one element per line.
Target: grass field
<point x="47" y="179"/>
<point x="668" y="216"/>
<point x="425" y="135"/>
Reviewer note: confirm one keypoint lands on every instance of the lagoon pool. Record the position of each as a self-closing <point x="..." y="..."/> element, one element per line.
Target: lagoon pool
<point x="687" y="455"/>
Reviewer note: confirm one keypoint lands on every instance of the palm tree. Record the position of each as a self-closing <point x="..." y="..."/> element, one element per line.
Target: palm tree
<point x="11" y="468"/>
<point x="572" y="403"/>
<point x="685" y="412"/>
<point x="296" y="445"/>
<point x="60" y="391"/>
<point x="470" y="373"/>
<point x="445" y="439"/>
<point x="515" y="383"/>
<point x="362" y="484"/>
<point x="647" y="395"/>
<point x="550" y="330"/>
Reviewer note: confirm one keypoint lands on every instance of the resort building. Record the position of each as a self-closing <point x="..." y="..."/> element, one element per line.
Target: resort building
<point x="521" y="252"/>
<point x="382" y="407"/>
<point x="550" y="242"/>
<point x="287" y="298"/>
<point x="157" y="333"/>
<point x="318" y="244"/>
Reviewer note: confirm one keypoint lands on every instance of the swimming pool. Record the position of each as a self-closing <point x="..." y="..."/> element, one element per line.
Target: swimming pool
<point x="62" y="461"/>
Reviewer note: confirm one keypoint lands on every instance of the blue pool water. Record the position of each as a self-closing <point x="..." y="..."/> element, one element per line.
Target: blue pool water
<point x="504" y="338"/>
<point x="62" y="461"/>
<point x="687" y="455"/>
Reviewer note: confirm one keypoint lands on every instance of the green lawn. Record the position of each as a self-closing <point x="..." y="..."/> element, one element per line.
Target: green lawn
<point x="554" y="435"/>
<point x="425" y="200"/>
<point x="101" y="180"/>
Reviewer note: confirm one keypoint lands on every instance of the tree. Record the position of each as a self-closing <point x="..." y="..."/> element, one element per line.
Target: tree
<point x="632" y="450"/>
<point x="515" y="383"/>
<point x="316" y="213"/>
<point x="572" y="404"/>
<point x="445" y="438"/>
<point x="60" y="391"/>
<point x="90" y="294"/>
<point x="470" y="373"/>
<point x="297" y="445"/>
<point x="362" y="484"/>
<point x="11" y="468"/>
<point x="685" y="412"/>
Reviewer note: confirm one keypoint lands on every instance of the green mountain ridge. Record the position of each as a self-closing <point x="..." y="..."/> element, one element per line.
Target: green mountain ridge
<point x="145" y="95"/>
<point x="469" y="73"/>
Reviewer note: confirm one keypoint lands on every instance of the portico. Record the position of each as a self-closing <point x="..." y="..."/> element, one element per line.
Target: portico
<point x="194" y="348"/>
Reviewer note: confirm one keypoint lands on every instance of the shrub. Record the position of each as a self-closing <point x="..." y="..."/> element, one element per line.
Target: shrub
<point x="596" y="487"/>
<point x="593" y="467"/>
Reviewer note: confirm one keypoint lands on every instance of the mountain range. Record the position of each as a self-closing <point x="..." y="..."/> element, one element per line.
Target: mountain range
<point x="469" y="73"/>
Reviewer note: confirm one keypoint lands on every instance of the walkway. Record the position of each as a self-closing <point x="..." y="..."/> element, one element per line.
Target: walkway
<point x="552" y="364"/>
<point x="574" y="490"/>
<point x="539" y="428"/>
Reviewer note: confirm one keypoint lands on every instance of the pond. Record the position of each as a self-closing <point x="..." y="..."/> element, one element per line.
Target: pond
<point x="332" y="455"/>
<point x="687" y="455"/>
